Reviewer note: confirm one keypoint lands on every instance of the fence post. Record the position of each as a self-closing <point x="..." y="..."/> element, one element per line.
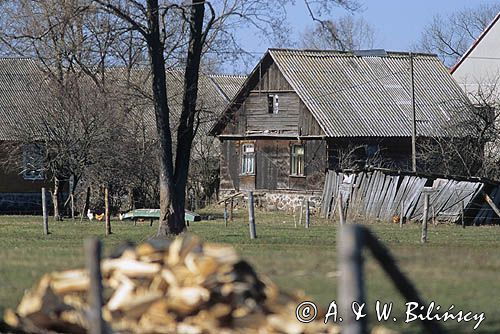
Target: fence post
<point x="423" y="239"/>
<point x="251" y="216"/>
<point x="300" y="214"/>
<point x="72" y="206"/>
<point x="350" y="288"/>
<point x="106" y="210"/>
<point x="341" y="210"/>
<point x="434" y="216"/>
<point x="401" y="214"/>
<point x="231" y="210"/>
<point x="225" y="213"/>
<point x="295" y="216"/>
<point x="45" y="213"/>
<point x="308" y="217"/>
<point x="93" y="263"/>
<point x="462" y="213"/>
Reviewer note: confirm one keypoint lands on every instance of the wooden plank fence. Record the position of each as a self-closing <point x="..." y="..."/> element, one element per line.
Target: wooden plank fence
<point x="383" y="194"/>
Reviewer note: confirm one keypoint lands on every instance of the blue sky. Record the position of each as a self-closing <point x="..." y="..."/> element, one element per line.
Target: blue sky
<point x="397" y="23"/>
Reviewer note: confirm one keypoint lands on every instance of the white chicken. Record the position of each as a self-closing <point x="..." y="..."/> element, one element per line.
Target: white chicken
<point x="90" y="215"/>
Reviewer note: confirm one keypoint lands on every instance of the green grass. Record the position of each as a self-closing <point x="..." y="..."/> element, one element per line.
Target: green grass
<point x="456" y="266"/>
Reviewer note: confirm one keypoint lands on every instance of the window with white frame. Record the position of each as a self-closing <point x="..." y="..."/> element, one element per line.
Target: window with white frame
<point x="248" y="159"/>
<point x="33" y="162"/>
<point x="297" y="160"/>
<point x="273" y="103"/>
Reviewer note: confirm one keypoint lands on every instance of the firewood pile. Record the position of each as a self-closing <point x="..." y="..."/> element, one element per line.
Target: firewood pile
<point x="165" y="287"/>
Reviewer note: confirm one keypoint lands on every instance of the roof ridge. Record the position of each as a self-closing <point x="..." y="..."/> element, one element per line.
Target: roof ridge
<point x="227" y="75"/>
<point x="17" y="58"/>
<point x="350" y="52"/>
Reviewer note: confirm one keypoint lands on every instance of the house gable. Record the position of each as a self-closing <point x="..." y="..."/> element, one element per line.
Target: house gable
<point x="479" y="67"/>
<point x="250" y="113"/>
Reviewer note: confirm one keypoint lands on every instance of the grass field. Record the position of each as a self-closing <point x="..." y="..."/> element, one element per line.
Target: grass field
<point x="456" y="266"/>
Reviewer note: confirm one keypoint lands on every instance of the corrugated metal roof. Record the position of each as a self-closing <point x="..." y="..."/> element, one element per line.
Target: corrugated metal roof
<point x="23" y="86"/>
<point x="371" y="96"/>
<point x="214" y="94"/>
<point x="229" y="84"/>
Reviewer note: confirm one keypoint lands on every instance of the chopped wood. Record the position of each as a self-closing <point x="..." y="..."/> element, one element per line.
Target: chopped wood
<point x="182" y="286"/>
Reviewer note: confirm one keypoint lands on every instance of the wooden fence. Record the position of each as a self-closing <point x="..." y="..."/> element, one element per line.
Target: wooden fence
<point x="382" y="194"/>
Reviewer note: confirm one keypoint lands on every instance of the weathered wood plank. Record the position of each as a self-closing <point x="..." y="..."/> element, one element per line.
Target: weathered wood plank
<point x="389" y="212"/>
<point x="384" y="196"/>
<point x="371" y="193"/>
<point x="400" y="194"/>
<point x="416" y="191"/>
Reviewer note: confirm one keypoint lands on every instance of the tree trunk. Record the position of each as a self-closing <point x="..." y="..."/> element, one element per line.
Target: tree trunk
<point x="131" y="205"/>
<point x="185" y="131"/>
<point x="55" y="199"/>
<point x="173" y="185"/>
<point x="159" y="88"/>
<point x="86" y="204"/>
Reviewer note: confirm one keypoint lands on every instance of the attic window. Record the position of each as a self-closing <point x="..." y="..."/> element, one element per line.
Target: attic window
<point x="272" y="103"/>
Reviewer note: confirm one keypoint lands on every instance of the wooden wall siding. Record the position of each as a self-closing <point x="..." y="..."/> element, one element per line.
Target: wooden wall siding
<point x="253" y="115"/>
<point x="11" y="182"/>
<point x="273" y="165"/>
<point x="315" y="163"/>
<point x="230" y="165"/>
<point x="307" y="123"/>
<point x="380" y="195"/>
<point x="272" y="80"/>
<point x="247" y="182"/>
<point x="258" y="119"/>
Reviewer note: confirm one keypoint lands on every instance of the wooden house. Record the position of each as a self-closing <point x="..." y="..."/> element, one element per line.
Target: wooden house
<point x="301" y="112"/>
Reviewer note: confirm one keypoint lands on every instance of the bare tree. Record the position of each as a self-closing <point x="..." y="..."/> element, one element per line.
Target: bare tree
<point x="71" y="43"/>
<point x="473" y="149"/>
<point x="203" y="179"/>
<point x="450" y="36"/>
<point x="362" y="155"/>
<point x="202" y="33"/>
<point x="84" y="37"/>
<point x="345" y="33"/>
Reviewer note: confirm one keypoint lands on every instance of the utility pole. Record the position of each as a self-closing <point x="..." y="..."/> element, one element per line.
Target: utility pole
<point x="414" y="120"/>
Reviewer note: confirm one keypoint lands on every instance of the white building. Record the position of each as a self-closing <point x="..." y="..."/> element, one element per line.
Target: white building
<point x="478" y="71"/>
